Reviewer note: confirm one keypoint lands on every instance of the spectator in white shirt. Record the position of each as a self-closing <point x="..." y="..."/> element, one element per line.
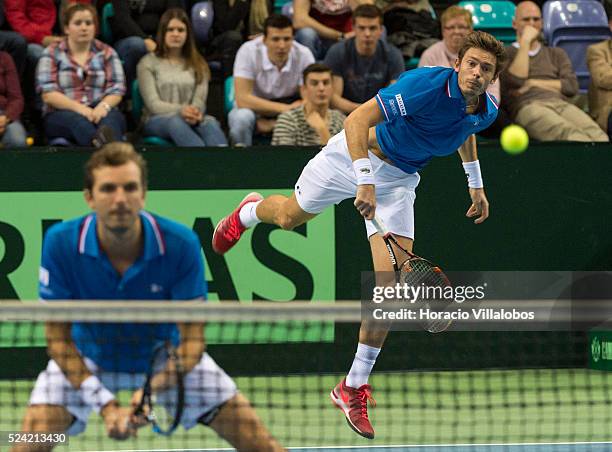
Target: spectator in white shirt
<point x="267" y="77"/>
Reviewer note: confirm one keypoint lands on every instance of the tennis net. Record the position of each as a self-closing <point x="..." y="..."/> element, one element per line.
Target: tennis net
<point x="450" y="388"/>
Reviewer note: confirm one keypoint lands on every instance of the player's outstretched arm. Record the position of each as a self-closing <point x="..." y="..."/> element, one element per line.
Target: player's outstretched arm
<point x="357" y="129"/>
<point x="480" y="205"/>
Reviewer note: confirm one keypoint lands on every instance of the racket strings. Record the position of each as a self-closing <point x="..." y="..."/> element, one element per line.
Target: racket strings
<point x="419" y="272"/>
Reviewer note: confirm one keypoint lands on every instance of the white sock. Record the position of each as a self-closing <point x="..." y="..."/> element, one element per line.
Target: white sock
<point x="362" y="365"/>
<point x="248" y="217"/>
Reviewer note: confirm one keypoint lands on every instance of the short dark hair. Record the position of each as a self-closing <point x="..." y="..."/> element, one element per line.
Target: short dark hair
<point x="315" y="68"/>
<point x="276" y="21"/>
<point x="369" y="11"/>
<point x="115" y="154"/>
<point x="488" y="43"/>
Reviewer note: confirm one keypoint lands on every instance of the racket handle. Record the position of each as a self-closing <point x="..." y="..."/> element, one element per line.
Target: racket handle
<point x="379" y="225"/>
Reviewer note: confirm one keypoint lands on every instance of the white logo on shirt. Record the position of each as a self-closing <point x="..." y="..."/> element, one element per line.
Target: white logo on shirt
<point x="393" y="109"/>
<point x="43" y="276"/>
<point x="400" y="104"/>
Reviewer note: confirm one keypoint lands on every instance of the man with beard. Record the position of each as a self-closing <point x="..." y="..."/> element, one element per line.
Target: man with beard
<point x="122" y="252"/>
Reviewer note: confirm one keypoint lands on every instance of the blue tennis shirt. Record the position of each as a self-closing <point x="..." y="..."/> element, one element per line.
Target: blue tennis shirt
<point x="74" y="267"/>
<point x="425" y="117"/>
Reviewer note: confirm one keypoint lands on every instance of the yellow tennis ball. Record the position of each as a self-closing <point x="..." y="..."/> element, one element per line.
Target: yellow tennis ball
<point x="29" y="141"/>
<point x="514" y="139"/>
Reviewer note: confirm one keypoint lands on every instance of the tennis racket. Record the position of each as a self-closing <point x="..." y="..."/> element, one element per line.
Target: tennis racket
<point x="163" y="410"/>
<point x="413" y="270"/>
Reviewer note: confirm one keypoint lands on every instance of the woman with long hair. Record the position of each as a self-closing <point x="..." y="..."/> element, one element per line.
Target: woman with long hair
<point x="81" y="82"/>
<point x="174" y="87"/>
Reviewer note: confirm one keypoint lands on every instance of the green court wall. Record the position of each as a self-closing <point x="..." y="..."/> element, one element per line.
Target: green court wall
<point x="550" y="210"/>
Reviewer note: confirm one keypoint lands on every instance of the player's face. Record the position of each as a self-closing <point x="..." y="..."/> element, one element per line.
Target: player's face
<point x="367" y="31"/>
<point x="117" y="196"/>
<point x="81" y="28"/>
<point x="317" y="88"/>
<point x="176" y="34"/>
<point x="278" y="42"/>
<point x="476" y="71"/>
<point x="454" y="32"/>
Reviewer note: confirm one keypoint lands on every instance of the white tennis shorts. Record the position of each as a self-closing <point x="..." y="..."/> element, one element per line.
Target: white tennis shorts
<point x="207" y="386"/>
<point x="329" y="178"/>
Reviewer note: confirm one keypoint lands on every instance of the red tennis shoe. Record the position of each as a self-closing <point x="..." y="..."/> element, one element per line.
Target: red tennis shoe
<point x="354" y="403"/>
<point x="229" y="230"/>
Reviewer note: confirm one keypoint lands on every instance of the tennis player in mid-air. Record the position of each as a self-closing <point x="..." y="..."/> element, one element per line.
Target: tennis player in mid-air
<point x="428" y="112"/>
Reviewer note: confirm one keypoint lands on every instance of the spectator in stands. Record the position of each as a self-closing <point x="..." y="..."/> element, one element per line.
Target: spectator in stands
<point x="599" y="59"/>
<point x="267" y="75"/>
<point x="13" y="43"/>
<point x="34" y="20"/>
<point x="134" y="26"/>
<point x="538" y="83"/>
<point x="411" y="27"/>
<point x="81" y="82"/>
<point x="321" y="23"/>
<point x="235" y="21"/>
<point x="364" y="64"/>
<point x="313" y="122"/>
<point x="12" y="133"/>
<point x="456" y="25"/>
<point x="174" y="86"/>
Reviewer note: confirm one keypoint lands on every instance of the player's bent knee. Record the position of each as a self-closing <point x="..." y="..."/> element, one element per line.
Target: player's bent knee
<point x="50" y="418"/>
<point x="286" y="222"/>
<point x="238" y="423"/>
<point x="43" y="418"/>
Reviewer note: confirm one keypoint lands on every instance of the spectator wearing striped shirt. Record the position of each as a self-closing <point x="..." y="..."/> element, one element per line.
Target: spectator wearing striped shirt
<point x="313" y="122"/>
<point x="81" y="81"/>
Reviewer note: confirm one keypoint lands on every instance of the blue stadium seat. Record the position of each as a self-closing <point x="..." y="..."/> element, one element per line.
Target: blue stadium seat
<point x="411" y="63"/>
<point x="287" y="10"/>
<point x="229" y="94"/>
<point x="105" y="30"/>
<point x="279" y="5"/>
<point x="202" y="16"/>
<point x="494" y="16"/>
<point x="137" y="104"/>
<point x="573" y="26"/>
<point x="61" y="141"/>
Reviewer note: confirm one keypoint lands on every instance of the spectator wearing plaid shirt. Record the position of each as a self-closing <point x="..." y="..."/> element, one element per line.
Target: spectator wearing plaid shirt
<point x="81" y="81"/>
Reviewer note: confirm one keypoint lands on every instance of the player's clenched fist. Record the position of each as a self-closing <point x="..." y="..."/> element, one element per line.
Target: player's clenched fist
<point x="365" y="201"/>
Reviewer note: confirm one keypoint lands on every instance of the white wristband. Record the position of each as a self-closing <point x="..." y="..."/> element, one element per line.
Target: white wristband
<point x="95" y="394"/>
<point x="363" y="171"/>
<point x="472" y="171"/>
